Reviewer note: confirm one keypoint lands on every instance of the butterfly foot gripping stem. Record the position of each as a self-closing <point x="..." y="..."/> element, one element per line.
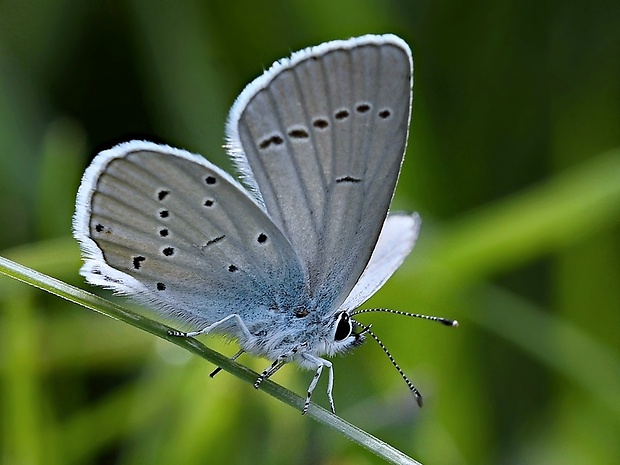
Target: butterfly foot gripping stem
<point x="270" y="370"/>
<point x="175" y="333"/>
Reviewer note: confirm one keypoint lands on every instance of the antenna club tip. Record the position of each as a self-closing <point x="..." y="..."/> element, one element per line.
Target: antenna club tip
<point x="448" y="322"/>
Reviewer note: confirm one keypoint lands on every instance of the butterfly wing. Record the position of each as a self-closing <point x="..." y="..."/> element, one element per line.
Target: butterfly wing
<point x="320" y="139"/>
<point x="396" y="240"/>
<point x="173" y="230"/>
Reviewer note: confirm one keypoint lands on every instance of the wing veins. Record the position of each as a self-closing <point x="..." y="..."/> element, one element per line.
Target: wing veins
<point x="291" y="152"/>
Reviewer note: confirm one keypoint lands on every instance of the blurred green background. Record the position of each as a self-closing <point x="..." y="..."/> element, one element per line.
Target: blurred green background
<point x="512" y="162"/>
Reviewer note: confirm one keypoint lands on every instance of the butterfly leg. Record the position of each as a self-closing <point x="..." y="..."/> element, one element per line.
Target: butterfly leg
<point x="270" y="370"/>
<point x="320" y="364"/>
<point x="277" y="364"/>
<point x="234" y="357"/>
<point x="246" y="332"/>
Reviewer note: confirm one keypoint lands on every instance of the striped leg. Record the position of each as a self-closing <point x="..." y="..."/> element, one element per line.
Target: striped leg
<point x="246" y="332"/>
<point x="320" y="364"/>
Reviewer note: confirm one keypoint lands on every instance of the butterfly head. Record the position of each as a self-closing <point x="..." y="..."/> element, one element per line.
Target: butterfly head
<point x="335" y="335"/>
<point x="344" y="335"/>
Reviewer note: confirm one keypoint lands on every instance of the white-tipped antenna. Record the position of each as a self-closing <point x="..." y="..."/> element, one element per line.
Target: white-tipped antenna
<point x="412" y="388"/>
<point x="443" y="321"/>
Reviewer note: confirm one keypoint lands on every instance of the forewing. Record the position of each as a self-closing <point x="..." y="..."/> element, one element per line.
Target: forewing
<point x="175" y="231"/>
<point x="320" y="138"/>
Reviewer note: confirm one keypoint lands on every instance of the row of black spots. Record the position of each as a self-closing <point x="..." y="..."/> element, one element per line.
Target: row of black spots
<point x="163" y="231"/>
<point x="299" y="133"/>
<point x="137" y="261"/>
<point x="302" y="133"/>
<point x="321" y="123"/>
<point x="165" y="214"/>
<point x="210" y="180"/>
<point x="361" y="108"/>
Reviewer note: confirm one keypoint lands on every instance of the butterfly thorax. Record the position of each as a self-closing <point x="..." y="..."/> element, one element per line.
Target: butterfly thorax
<point x="301" y="337"/>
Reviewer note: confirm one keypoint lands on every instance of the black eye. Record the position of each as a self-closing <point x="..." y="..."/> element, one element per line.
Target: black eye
<point x="343" y="328"/>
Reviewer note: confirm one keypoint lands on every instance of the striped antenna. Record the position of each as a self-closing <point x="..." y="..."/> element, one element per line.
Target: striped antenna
<point x="412" y="388"/>
<point x="443" y="321"/>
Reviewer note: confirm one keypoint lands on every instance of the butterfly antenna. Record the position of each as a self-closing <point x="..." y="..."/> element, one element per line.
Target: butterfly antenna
<point x="443" y="321"/>
<point x="412" y="388"/>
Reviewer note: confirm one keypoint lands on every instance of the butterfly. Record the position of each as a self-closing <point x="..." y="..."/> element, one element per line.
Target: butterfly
<point x="280" y="261"/>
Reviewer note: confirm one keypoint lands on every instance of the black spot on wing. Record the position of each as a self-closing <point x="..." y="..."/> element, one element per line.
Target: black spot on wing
<point x="342" y="114"/>
<point x="320" y="123"/>
<point x="350" y="179"/>
<point x="298" y="134"/>
<point x="273" y="140"/>
<point x="214" y="241"/>
<point x="137" y="262"/>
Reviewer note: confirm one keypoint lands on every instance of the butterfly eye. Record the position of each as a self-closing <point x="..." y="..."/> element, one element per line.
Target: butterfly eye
<point x="343" y="327"/>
